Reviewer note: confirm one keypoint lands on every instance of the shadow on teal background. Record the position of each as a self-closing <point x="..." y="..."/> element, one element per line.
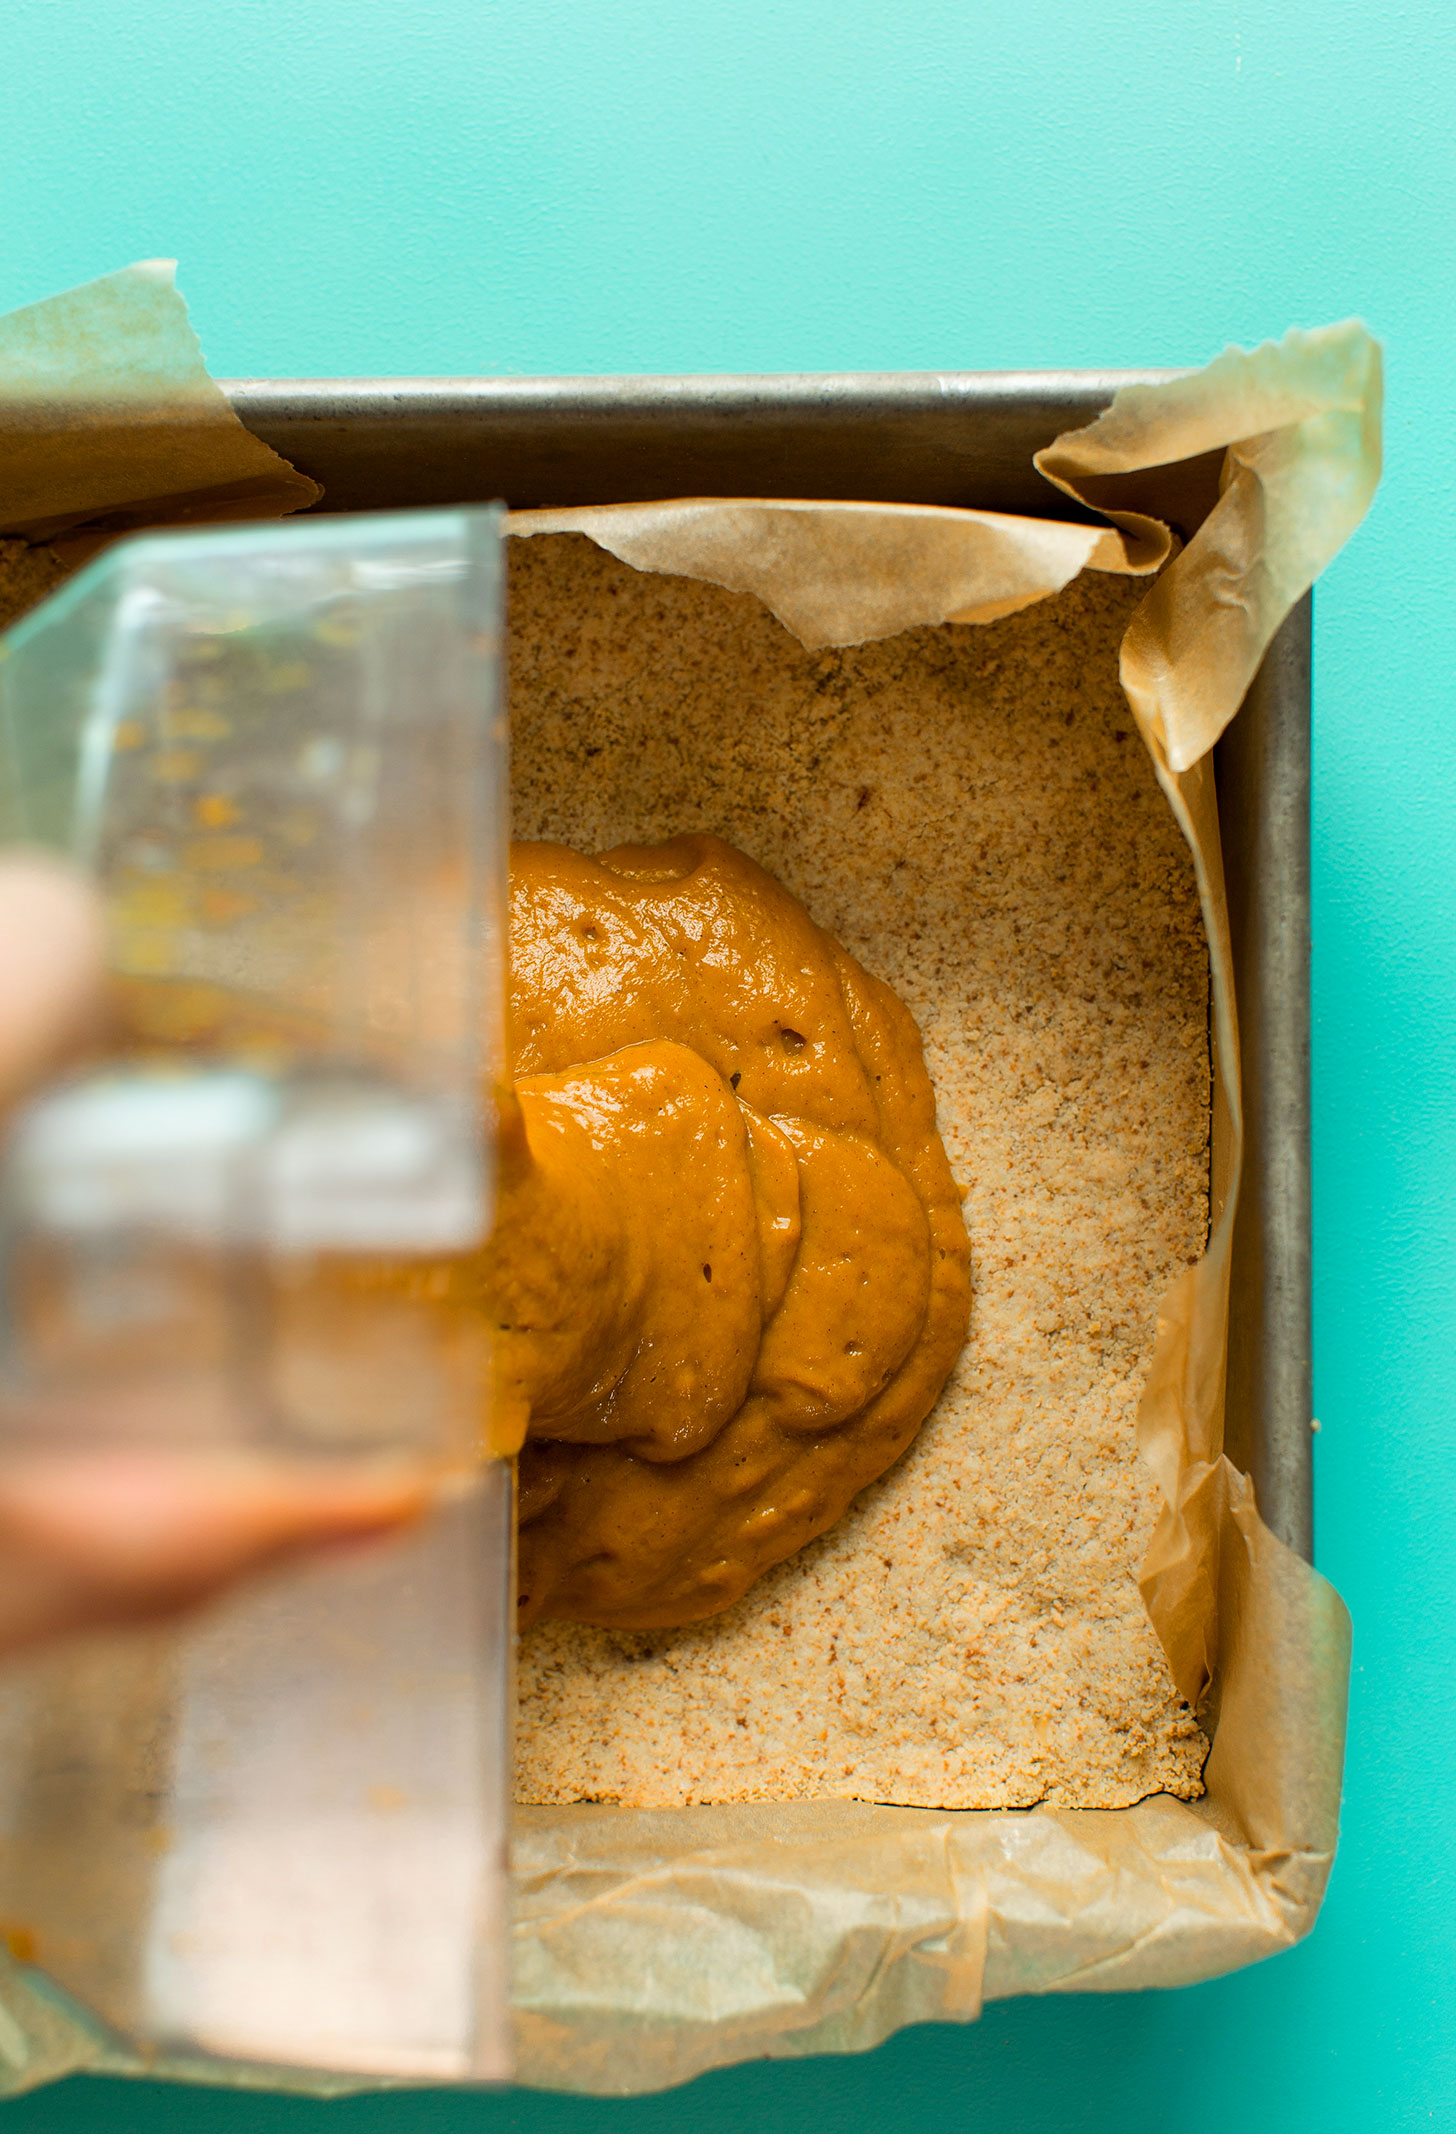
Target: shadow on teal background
<point x="462" y="185"/>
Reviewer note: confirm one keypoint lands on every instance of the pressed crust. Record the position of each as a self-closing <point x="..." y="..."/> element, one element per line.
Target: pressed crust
<point x="969" y="810"/>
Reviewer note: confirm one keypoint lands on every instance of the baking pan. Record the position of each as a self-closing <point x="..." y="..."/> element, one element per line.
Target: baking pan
<point x="959" y="438"/>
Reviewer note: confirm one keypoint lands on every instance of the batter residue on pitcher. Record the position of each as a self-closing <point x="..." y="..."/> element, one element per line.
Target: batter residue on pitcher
<point x="729" y="1269"/>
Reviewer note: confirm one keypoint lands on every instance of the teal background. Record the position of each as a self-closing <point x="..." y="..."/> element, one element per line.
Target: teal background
<point x="600" y="185"/>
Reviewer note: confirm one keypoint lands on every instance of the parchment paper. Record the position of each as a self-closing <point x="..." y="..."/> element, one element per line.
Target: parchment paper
<point x="652" y="1945"/>
<point x="109" y="420"/>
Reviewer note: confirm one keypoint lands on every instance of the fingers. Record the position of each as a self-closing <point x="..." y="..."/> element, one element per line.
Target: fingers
<point x="52" y="963"/>
<point x="90" y="1539"/>
<point x="95" y="1538"/>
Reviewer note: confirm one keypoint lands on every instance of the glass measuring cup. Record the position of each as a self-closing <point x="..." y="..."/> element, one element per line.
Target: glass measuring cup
<point x="279" y="751"/>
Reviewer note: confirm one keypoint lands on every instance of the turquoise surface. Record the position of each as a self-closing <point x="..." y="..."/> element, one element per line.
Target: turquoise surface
<point x="458" y="186"/>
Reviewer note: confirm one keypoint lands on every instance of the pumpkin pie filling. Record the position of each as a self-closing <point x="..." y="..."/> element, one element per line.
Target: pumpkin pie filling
<point x="729" y="1273"/>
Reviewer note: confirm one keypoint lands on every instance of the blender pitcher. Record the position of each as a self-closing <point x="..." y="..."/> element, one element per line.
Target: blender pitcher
<point x="276" y="1835"/>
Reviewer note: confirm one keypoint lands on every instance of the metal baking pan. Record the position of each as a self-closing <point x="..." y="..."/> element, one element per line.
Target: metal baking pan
<point x="963" y="438"/>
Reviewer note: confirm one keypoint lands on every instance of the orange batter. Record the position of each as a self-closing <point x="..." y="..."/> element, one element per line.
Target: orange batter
<point x="729" y="1271"/>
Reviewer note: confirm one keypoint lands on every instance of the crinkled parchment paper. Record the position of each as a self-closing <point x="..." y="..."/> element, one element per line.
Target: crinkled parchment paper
<point x="109" y="420"/>
<point x="653" y="1944"/>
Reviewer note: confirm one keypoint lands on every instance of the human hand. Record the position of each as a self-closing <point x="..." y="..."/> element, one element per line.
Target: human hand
<point x="95" y="1537"/>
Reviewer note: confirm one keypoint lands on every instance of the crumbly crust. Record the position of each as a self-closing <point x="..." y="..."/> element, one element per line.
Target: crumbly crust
<point x="968" y="809"/>
<point x="27" y="574"/>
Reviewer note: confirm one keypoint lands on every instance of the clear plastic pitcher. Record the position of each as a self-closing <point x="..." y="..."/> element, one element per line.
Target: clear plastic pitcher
<point x="279" y="1835"/>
